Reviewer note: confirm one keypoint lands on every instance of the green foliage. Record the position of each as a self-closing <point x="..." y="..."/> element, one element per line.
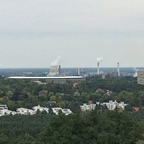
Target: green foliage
<point x="26" y="93"/>
<point x="93" y="127"/>
<point x="101" y="127"/>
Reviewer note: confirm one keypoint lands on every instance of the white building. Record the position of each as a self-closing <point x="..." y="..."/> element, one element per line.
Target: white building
<point x="86" y="107"/>
<point x="3" y="107"/>
<point x="111" y="105"/>
<point x="56" y="110"/>
<point x="64" y="111"/>
<point x="4" y="111"/>
<point x="39" y="108"/>
<point x="140" y="77"/>
<point x="25" y="111"/>
<point x="7" y="112"/>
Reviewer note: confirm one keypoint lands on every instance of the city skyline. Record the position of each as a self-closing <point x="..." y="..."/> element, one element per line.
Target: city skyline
<point x="35" y="33"/>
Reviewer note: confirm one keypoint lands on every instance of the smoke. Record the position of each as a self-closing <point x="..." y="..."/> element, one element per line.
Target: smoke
<point x="135" y="69"/>
<point x="56" y="61"/>
<point x="100" y="59"/>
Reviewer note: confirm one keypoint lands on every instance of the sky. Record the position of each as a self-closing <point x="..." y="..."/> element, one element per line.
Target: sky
<point x="35" y="33"/>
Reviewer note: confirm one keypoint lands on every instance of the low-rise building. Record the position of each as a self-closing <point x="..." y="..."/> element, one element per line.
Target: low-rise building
<point x="7" y="112"/>
<point x="4" y="111"/>
<point x="3" y="107"/>
<point x="39" y="108"/>
<point x="25" y="111"/>
<point x="56" y="110"/>
<point x="111" y="105"/>
<point x="140" y="77"/>
<point x="86" y="107"/>
<point x="64" y="111"/>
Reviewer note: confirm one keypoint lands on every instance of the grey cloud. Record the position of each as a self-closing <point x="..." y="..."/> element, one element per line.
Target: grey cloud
<point x="44" y="29"/>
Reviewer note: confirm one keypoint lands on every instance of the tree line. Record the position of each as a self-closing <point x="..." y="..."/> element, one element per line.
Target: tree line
<point x="26" y="93"/>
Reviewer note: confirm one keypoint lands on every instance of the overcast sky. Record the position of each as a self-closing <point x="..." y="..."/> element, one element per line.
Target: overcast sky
<point x="33" y="33"/>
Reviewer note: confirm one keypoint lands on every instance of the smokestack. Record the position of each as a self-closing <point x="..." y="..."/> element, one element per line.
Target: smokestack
<point x="99" y="59"/>
<point x="59" y="69"/>
<point x="98" y="69"/>
<point x="118" y="71"/>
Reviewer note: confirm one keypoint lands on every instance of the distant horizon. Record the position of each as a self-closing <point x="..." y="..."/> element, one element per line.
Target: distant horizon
<point x="63" y="67"/>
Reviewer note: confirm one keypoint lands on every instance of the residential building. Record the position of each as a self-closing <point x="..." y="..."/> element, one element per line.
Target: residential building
<point x="64" y="111"/>
<point x="39" y="108"/>
<point x="140" y="77"/>
<point x="111" y="105"/>
<point x="86" y="107"/>
<point x="25" y="111"/>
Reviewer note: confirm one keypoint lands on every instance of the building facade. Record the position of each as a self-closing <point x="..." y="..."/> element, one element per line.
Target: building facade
<point x="140" y="77"/>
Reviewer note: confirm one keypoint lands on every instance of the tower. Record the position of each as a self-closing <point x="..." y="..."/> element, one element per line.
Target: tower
<point x="118" y="71"/>
<point x="59" y="69"/>
<point x="98" y="69"/>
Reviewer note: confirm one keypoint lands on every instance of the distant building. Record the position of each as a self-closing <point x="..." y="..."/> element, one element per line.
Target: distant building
<point x="2" y="107"/>
<point x="135" y="109"/>
<point x="25" y="111"/>
<point x="55" y="79"/>
<point x="111" y="105"/>
<point x="41" y="109"/>
<point x="4" y="111"/>
<point x="55" y="76"/>
<point x="64" y="111"/>
<point x="103" y="76"/>
<point x="140" y="77"/>
<point x="54" y="70"/>
<point x="86" y="107"/>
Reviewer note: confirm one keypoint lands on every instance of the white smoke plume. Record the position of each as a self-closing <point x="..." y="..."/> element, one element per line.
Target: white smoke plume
<point x="56" y="61"/>
<point x="135" y="69"/>
<point x="100" y="59"/>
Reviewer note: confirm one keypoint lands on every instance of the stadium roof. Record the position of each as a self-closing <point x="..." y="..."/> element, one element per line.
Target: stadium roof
<point x="59" y="77"/>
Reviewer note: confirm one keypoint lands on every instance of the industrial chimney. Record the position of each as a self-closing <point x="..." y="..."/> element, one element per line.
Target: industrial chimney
<point x="118" y="71"/>
<point x="59" y="69"/>
<point x="99" y="59"/>
<point x="98" y="69"/>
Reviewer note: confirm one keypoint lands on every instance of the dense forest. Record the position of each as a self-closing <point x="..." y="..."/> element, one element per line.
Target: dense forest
<point x="95" y="127"/>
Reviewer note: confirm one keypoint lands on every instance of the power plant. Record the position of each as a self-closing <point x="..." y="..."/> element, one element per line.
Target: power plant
<point x="55" y="74"/>
<point x="54" y="70"/>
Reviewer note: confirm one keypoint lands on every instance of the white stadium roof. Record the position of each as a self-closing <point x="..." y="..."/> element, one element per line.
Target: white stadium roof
<point x="59" y="77"/>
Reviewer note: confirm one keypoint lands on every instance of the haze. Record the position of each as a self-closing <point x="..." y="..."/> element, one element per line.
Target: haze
<point x="33" y="33"/>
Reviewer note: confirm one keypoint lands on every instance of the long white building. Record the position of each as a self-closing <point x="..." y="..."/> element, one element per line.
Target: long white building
<point x="55" y="79"/>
